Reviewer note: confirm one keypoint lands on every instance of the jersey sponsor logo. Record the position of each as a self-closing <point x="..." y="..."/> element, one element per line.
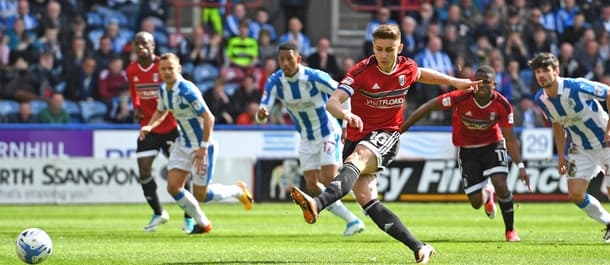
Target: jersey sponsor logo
<point x="447" y="102"/>
<point x="297" y="105"/>
<point x="475" y="124"/>
<point x="348" y="81"/>
<point x="598" y="91"/>
<point x="376" y="86"/>
<point x="402" y="80"/>
<point x="148" y="91"/>
<point x="385" y="103"/>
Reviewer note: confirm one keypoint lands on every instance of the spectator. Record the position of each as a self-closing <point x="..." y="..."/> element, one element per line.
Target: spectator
<point x="49" y="43"/>
<point x="246" y="93"/>
<point x="324" y="59"/>
<point x="517" y="84"/>
<point x="260" y="23"/>
<point x="24" y="115"/>
<point x="103" y="54"/>
<point x="53" y="18"/>
<point x="82" y="84"/>
<point x="269" y="67"/>
<point x="527" y="115"/>
<point x="47" y="77"/>
<point x="30" y="23"/>
<point x="212" y="15"/>
<point x="294" y="9"/>
<point x="382" y="17"/>
<point x="295" y="33"/>
<point x="121" y="110"/>
<point x="234" y="20"/>
<point x="22" y="43"/>
<point x="569" y="66"/>
<point x="247" y="117"/>
<point x="218" y="102"/>
<point x="266" y="48"/>
<point x="55" y="112"/>
<point x="8" y="9"/>
<point x="410" y="44"/>
<point x="492" y="29"/>
<point x="157" y="9"/>
<point x="112" y="81"/>
<point x="515" y="49"/>
<point x="242" y="50"/>
<point x="566" y="15"/>
<point x="20" y="86"/>
<point x="205" y="48"/>
<point x="573" y="32"/>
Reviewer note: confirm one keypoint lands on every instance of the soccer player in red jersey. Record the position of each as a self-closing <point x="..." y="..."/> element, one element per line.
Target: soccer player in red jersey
<point x="378" y="87"/>
<point x="144" y="81"/>
<point x="482" y="130"/>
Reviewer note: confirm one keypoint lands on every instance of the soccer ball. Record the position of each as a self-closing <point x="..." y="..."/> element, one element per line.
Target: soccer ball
<point x="34" y="246"/>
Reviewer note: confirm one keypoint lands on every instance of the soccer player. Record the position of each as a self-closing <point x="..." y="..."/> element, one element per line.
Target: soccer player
<point x="193" y="152"/>
<point x="482" y="129"/>
<point x="573" y="106"/>
<point x="144" y="81"/>
<point x="304" y="91"/>
<point x="377" y="86"/>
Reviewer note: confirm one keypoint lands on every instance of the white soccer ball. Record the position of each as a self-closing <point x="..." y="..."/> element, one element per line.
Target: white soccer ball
<point x="34" y="246"/>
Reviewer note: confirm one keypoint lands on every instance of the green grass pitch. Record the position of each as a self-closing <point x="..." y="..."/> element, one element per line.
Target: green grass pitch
<point x="275" y="233"/>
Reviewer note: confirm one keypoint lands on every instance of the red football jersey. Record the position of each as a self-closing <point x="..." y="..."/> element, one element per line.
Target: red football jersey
<point x="378" y="97"/>
<point x="474" y="124"/>
<point x="144" y="88"/>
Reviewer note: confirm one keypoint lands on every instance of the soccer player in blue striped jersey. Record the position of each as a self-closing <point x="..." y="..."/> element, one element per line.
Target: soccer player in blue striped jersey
<point x="194" y="151"/>
<point x="573" y="106"/>
<point x="304" y="91"/>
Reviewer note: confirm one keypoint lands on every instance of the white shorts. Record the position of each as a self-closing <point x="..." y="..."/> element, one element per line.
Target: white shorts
<point x="586" y="164"/>
<point x="317" y="153"/>
<point x="181" y="158"/>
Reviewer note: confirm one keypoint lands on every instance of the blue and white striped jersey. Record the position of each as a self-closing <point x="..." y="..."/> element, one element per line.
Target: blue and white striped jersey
<point x="578" y="109"/>
<point x="305" y="95"/>
<point x="185" y="102"/>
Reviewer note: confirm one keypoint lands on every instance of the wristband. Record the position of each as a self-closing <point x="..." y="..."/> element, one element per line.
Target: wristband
<point x="204" y="144"/>
<point x="520" y="165"/>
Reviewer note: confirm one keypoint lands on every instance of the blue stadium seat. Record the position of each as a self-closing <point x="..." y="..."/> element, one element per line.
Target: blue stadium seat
<point x="38" y="105"/>
<point x="94" y="20"/>
<point x="205" y="72"/>
<point x="74" y="110"/>
<point x="8" y="107"/>
<point x="95" y="36"/>
<point x="93" y="111"/>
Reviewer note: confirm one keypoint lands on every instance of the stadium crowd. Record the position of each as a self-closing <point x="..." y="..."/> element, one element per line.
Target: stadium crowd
<point x="64" y="61"/>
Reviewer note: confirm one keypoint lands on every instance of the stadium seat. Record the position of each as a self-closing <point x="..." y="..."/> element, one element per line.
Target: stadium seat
<point x="73" y="110"/>
<point x="8" y="107"/>
<point x="93" y="111"/>
<point x="38" y="105"/>
<point x="205" y="72"/>
<point x="94" y="20"/>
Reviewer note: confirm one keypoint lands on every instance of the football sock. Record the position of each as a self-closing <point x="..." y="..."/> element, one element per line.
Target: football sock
<point x="219" y="192"/>
<point x="339" y="187"/>
<point x="338" y="209"/>
<point x="190" y="205"/>
<point x="593" y="208"/>
<point x="387" y="221"/>
<point x="150" y="193"/>
<point x="508" y="212"/>
<point x="188" y="186"/>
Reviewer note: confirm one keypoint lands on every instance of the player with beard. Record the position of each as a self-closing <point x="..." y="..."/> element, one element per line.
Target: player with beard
<point x="482" y="129"/>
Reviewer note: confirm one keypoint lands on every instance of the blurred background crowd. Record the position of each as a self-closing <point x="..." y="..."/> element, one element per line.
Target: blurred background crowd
<point x="63" y="61"/>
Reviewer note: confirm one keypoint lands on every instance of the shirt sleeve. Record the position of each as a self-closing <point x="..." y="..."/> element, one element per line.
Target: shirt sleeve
<point x="325" y="83"/>
<point x="268" y="97"/>
<point x="595" y="89"/>
<point x="194" y="98"/>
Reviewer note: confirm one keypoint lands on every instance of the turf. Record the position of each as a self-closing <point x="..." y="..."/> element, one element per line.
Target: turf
<point x="552" y="233"/>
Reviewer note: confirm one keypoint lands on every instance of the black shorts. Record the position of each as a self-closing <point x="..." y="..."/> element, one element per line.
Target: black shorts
<point x="154" y="141"/>
<point x="478" y="164"/>
<point x="383" y="143"/>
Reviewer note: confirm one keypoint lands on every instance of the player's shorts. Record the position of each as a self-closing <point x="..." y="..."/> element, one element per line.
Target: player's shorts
<point x="153" y="142"/>
<point x="326" y="151"/>
<point x="479" y="163"/>
<point x="586" y="164"/>
<point x="182" y="157"/>
<point x="384" y="144"/>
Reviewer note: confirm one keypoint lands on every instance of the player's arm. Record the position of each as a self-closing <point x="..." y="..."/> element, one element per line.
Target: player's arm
<point x="267" y="100"/>
<point x="419" y="113"/>
<point x="607" y="136"/>
<point x="560" y="142"/>
<point x="433" y="77"/>
<point x="512" y="146"/>
<point x="156" y="119"/>
<point x="135" y="99"/>
<point x="336" y="108"/>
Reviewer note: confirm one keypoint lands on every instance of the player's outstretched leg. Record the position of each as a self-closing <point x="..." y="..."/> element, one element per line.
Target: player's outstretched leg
<point x="354" y="224"/>
<point x="219" y="192"/>
<point x="387" y="221"/>
<point x="189" y="222"/>
<point x="307" y="204"/>
<point x="594" y="209"/>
